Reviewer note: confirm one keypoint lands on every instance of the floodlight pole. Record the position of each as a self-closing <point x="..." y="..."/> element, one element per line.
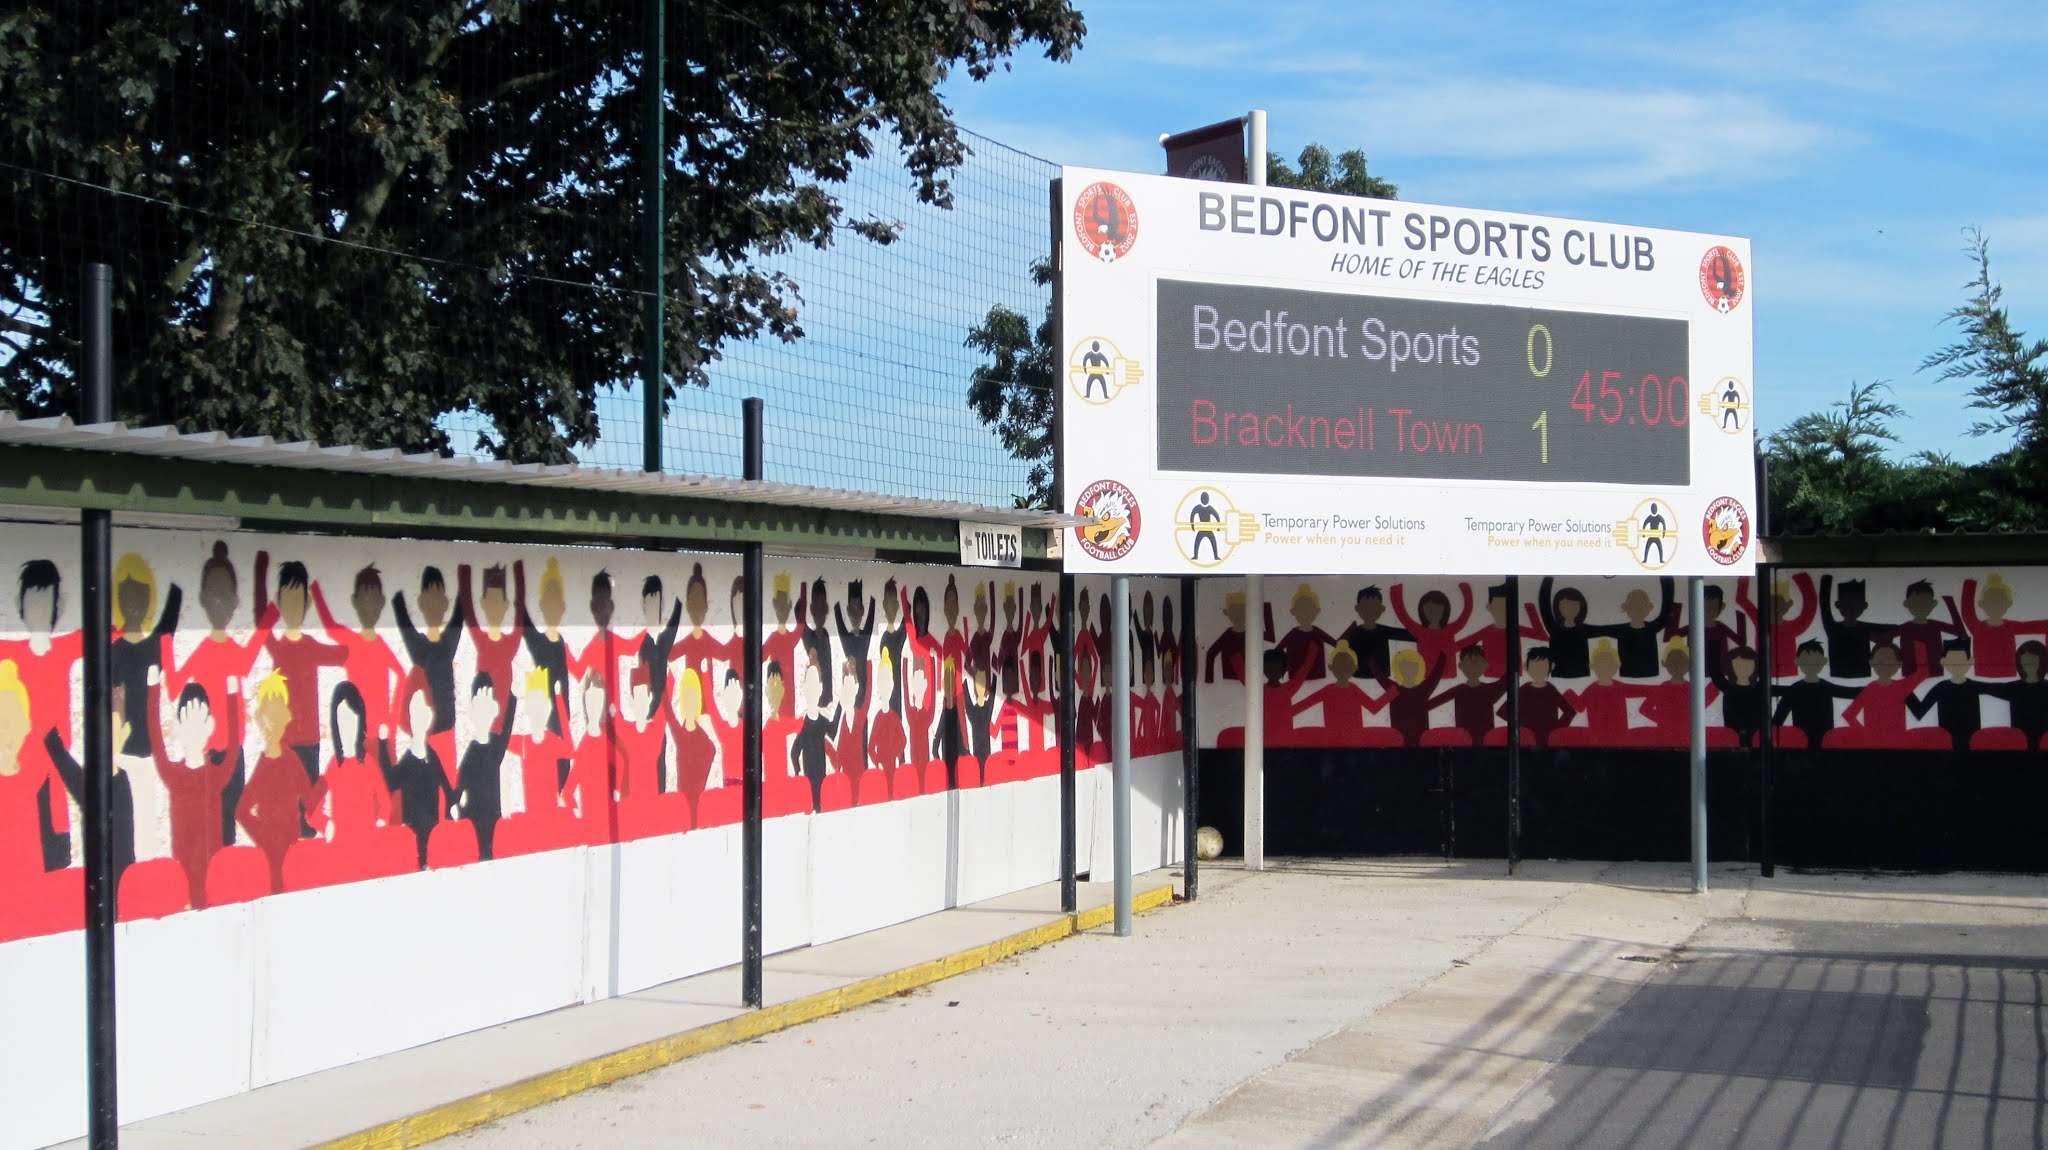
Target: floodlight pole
<point x="1695" y="606"/>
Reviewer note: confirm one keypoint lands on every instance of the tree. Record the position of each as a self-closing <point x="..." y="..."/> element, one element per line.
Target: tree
<point x="1830" y="473"/>
<point x="344" y="220"/>
<point x="1316" y="174"/>
<point x="1016" y="392"/>
<point x="2009" y="375"/>
<point x="1828" y="468"/>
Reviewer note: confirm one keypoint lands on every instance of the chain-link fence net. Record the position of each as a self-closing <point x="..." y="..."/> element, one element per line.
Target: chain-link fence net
<point x="420" y="225"/>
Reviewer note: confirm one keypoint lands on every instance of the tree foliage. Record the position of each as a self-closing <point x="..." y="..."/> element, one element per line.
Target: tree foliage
<point x="1831" y="473"/>
<point x="342" y="220"/>
<point x="1016" y="392"/>
<point x="1317" y="172"/>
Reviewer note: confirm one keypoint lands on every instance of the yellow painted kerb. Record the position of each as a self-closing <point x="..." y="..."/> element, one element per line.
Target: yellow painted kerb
<point x="477" y="1109"/>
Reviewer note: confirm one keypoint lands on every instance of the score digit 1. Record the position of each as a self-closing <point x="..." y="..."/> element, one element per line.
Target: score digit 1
<point x="1542" y="429"/>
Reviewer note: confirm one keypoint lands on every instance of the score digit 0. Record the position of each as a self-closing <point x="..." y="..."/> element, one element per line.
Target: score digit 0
<point x="1549" y="351"/>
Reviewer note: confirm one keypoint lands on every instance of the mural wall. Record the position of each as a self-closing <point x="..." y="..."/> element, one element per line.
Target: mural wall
<point x="373" y="793"/>
<point x="1940" y="659"/>
<point x="294" y="712"/>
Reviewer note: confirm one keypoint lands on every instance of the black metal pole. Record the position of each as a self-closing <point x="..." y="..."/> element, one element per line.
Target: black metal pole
<point x="1765" y="737"/>
<point x="96" y="546"/>
<point x="1190" y="746"/>
<point x="1063" y="650"/>
<point x="653" y="165"/>
<point x="1514" y="674"/>
<point x="750" y="825"/>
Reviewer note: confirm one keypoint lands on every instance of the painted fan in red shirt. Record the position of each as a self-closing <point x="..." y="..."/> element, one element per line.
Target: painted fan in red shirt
<point x="195" y="784"/>
<point x="546" y="757"/>
<point x="1344" y="700"/>
<point x="1994" y="639"/>
<point x="1493" y="638"/>
<point x="1880" y="707"/>
<point x="1305" y="645"/>
<point x="640" y="736"/>
<point x="1411" y="693"/>
<point x="953" y="644"/>
<point x="22" y="778"/>
<point x="779" y="645"/>
<point x="695" y="746"/>
<point x="1474" y="698"/>
<point x="353" y="799"/>
<point x="1786" y="625"/>
<point x="1436" y="631"/>
<point x="1668" y="704"/>
<point x="368" y="661"/>
<point x="592" y="789"/>
<point x="219" y="657"/>
<point x="43" y="662"/>
<point x="496" y="643"/>
<point x="1544" y="707"/>
<point x="697" y="649"/>
<point x="278" y="798"/>
<point x="298" y="657"/>
<point x="1604" y="701"/>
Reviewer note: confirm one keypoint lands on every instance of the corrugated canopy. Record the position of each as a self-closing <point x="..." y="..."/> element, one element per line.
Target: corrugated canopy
<point x="263" y="451"/>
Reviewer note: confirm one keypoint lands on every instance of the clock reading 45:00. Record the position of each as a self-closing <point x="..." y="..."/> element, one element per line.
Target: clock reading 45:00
<point x="1649" y="402"/>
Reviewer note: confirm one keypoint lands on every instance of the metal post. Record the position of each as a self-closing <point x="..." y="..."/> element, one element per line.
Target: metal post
<point x="1254" y="727"/>
<point x="1120" y="742"/>
<point x="96" y="546"/>
<point x="1255" y="613"/>
<point x="1766" y="734"/>
<point x="1514" y="674"/>
<point x="653" y="162"/>
<point x="1255" y="145"/>
<point x="1696" y="610"/>
<point x="1190" y="745"/>
<point x="1070" y="893"/>
<point x="750" y="798"/>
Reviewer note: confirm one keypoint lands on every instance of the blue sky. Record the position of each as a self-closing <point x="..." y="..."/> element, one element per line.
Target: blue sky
<point x="1851" y="142"/>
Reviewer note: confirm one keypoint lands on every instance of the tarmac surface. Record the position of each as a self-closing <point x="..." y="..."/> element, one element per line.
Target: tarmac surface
<point x="1415" y="1003"/>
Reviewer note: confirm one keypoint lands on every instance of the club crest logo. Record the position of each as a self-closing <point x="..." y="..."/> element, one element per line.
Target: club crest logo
<point x="1725" y="530"/>
<point x="1648" y="534"/>
<point x="1722" y="279"/>
<point x="1114" y="520"/>
<point x="1105" y="221"/>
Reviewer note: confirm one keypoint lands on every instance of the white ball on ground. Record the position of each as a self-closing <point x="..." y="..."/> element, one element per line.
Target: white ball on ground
<point x="1208" y="843"/>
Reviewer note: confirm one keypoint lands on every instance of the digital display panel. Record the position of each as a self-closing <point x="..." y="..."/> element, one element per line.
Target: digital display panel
<point x="1280" y="381"/>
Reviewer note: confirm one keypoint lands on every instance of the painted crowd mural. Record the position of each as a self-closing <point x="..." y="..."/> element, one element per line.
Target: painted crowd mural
<point x="1939" y="660"/>
<point x="293" y="712"/>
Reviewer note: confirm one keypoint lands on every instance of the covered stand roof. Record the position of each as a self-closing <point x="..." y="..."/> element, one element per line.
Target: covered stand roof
<point x="56" y="462"/>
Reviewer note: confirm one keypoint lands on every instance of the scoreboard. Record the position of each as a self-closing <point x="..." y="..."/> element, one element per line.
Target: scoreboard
<point x="1267" y="380"/>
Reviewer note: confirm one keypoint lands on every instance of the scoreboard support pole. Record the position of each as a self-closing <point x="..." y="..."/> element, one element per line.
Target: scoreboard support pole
<point x="1695" y="607"/>
<point x="1254" y="728"/>
<point x="1120" y="742"/>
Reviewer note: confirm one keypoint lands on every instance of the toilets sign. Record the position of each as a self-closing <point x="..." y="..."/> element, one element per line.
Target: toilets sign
<point x="1298" y="383"/>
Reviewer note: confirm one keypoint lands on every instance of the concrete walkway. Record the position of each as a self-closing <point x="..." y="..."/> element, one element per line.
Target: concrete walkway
<point x="1414" y="1004"/>
<point x="1364" y="1003"/>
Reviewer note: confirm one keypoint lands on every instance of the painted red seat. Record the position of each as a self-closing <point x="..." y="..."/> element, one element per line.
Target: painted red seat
<point x="721" y="806"/>
<point x="51" y="902"/>
<point x="452" y="843"/>
<point x="241" y="873"/>
<point x="1446" y="737"/>
<point x="1498" y="737"/>
<point x="1999" y="739"/>
<point x="1572" y="737"/>
<point x="154" y="888"/>
<point x="1789" y="739"/>
<point x="835" y="792"/>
